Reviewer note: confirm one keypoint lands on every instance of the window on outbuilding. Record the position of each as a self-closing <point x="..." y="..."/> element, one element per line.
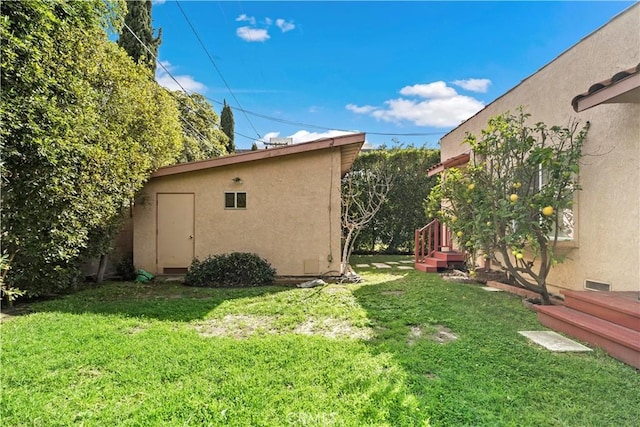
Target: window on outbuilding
<point x="235" y="200"/>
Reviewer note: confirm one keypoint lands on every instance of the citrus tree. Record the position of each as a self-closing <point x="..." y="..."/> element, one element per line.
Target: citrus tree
<point x="513" y="202"/>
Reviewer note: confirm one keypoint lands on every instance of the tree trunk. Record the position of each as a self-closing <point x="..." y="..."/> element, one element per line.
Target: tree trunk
<point x="102" y="267"/>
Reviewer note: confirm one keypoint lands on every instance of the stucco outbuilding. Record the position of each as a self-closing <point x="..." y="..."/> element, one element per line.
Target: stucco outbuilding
<point x="280" y="203"/>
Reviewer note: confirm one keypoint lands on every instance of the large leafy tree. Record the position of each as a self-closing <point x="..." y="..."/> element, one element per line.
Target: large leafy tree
<point x="513" y="202"/>
<point x="83" y="128"/>
<point x="227" y="125"/>
<point x="202" y="137"/>
<point x="138" y="19"/>
<point x="392" y="229"/>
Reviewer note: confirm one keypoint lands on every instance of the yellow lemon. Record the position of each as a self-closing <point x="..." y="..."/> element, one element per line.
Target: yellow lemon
<point x="517" y="185"/>
<point x="454" y="218"/>
<point x="547" y="211"/>
<point x="471" y="186"/>
<point x="513" y="198"/>
<point x="519" y="255"/>
<point x="459" y="234"/>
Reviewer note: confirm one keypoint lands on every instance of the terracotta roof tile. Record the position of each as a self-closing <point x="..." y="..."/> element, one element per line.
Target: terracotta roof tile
<point x="621" y="75"/>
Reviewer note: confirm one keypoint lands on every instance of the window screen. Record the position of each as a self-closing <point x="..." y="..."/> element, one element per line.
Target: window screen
<point x="233" y="200"/>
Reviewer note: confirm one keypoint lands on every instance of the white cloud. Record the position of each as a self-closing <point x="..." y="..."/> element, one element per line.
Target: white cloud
<point x="252" y="34"/>
<point x="365" y="109"/>
<point x="474" y="85"/>
<point x="303" y="136"/>
<point x="244" y="18"/>
<point x="440" y="106"/>
<point x="439" y="112"/>
<point x="284" y="25"/>
<point x="259" y="32"/>
<point x="306" y="136"/>
<point x="187" y="82"/>
<point x="430" y="90"/>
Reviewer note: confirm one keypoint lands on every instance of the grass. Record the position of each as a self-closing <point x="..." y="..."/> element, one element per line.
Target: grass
<point x="354" y="355"/>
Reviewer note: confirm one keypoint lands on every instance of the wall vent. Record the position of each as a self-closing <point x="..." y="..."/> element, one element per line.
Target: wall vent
<point x="175" y="270"/>
<point x="597" y="286"/>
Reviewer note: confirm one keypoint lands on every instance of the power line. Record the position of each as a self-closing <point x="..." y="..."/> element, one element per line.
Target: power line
<point x="216" y="66"/>
<point x="202" y="137"/>
<point x="253" y="113"/>
<point x="294" y="123"/>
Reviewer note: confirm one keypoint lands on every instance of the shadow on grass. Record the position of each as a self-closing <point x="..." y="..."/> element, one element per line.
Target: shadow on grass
<point x="162" y="300"/>
<point x="490" y="375"/>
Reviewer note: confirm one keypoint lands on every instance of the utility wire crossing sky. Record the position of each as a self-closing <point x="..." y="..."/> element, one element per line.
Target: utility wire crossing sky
<point x="403" y="72"/>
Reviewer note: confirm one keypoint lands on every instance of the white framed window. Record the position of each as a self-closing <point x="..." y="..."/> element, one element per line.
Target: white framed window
<point x="567" y="224"/>
<point x="235" y="200"/>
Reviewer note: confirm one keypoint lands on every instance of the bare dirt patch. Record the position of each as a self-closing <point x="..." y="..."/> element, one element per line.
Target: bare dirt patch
<point x="244" y="326"/>
<point x="396" y="293"/>
<point x="136" y="329"/>
<point x="415" y="333"/>
<point x="437" y="333"/>
<point x="444" y="335"/>
<point x="236" y="326"/>
<point x="333" y="328"/>
<point x="13" y="312"/>
<point x="90" y="372"/>
<point x="335" y="289"/>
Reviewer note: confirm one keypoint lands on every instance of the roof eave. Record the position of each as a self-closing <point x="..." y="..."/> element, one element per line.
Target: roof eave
<point x="356" y="140"/>
<point x="623" y="91"/>
<point x="451" y="162"/>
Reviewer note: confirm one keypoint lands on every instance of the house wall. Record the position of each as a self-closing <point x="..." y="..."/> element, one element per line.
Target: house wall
<point x="292" y="217"/>
<point x="607" y="244"/>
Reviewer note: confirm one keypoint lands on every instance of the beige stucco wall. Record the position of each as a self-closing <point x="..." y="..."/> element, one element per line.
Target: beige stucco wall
<point x="607" y="246"/>
<point x="292" y="214"/>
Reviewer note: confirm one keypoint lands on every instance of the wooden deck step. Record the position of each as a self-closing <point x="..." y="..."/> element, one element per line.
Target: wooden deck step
<point x="621" y="308"/>
<point x="429" y="265"/>
<point x="620" y="342"/>
<point x="426" y="268"/>
<point x="450" y="257"/>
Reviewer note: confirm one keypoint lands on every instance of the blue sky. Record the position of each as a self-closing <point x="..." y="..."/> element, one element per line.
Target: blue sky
<point x="399" y="71"/>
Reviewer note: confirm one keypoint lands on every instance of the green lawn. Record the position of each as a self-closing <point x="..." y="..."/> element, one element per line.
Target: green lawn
<point x="343" y="355"/>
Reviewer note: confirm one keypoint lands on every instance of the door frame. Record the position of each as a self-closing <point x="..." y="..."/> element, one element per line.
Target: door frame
<point x="193" y="231"/>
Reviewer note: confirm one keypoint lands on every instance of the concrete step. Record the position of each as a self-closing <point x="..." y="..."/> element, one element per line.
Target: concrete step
<point x="620" y="342"/>
<point x="621" y="308"/>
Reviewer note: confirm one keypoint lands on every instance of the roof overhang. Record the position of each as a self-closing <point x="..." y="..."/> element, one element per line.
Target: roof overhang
<point x="349" y="146"/>
<point x="623" y="87"/>
<point x="451" y="162"/>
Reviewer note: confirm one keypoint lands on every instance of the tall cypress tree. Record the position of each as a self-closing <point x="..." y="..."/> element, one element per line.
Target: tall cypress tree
<point x="227" y="125"/>
<point x="138" y="18"/>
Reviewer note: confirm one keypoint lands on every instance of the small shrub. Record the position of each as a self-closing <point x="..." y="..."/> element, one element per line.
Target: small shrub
<point x="125" y="268"/>
<point x="232" y="269"/>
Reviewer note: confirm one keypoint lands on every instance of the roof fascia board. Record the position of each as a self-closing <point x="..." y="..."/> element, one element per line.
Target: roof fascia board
<point x="608" y="93"/>
<point x="260" y="155"/>
<point x="458" y="160"/>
